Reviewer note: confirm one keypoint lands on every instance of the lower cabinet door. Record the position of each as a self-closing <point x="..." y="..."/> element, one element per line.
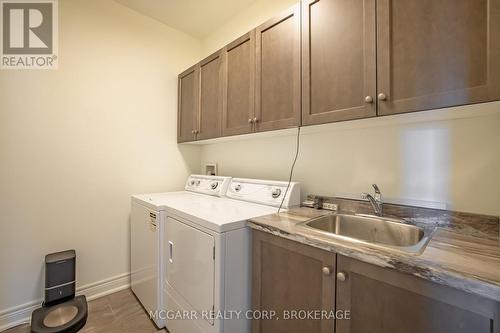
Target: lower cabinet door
<point x="290" y="280"/>
<point x="381" y="300"/>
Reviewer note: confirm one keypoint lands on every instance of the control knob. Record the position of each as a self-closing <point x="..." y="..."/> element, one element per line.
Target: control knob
<point x="214" y="185"/>
<point x="237" y="188"/>
<point x="276" y="192"/>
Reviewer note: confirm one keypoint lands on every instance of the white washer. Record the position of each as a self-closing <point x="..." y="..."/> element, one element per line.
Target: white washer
<point x="208" y="252"/>
<point x="148" y="219"/>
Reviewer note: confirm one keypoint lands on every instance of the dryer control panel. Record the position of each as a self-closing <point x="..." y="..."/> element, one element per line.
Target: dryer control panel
<point x="211" y="185"/>
<point x="264" y="192"/>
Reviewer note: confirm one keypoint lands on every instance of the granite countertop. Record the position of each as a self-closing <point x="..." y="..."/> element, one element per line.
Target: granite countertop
<point x="451" y="258"/>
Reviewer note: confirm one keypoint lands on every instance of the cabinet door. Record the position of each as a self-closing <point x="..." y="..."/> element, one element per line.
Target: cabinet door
<point x="188" y="104"/>
<point x="239" y="86"/>
<point x="277" y="95"/>
<point x="437" y="53"/>
<point x="210" y="115"/>
<point x="382" y="300"/>
<point x="338" y="60"/>
<point x="288" y="276"/>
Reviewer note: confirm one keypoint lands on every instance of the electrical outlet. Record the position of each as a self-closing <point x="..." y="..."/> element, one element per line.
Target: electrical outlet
<point x="330" y="206"/>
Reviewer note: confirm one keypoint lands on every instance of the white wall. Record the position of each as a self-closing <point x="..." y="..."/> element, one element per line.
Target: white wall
<point x="76" y="142"/>
<point x="454" y="161"/>
<point x="450" y="156"/>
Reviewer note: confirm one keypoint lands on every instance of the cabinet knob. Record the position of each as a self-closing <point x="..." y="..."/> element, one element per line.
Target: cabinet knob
<point x="255" y="120"/>
<point x="369" y="99"/>
<point x="382" y="97"/>
<point x="341" y="276"/>
<point x="326" y="271"/>
<point x="250" y="121"/>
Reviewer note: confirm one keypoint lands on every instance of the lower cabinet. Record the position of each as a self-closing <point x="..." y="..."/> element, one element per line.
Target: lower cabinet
<point x="381" y="300"/>
<point x="289" y="277"/>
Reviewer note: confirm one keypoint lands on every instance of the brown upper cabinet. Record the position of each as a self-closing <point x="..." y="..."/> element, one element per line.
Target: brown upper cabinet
<point x="188" y="85"/>
<point x="338" y="60"/>
<point x="211" y="95"/>
<point x="200" y="100"/>
<point x="277" y="76"/>
<point x="359" y="59"/>
<point x="239" y="86"/>
<point x="251" y="85"/>
<point x="437" y="53"/>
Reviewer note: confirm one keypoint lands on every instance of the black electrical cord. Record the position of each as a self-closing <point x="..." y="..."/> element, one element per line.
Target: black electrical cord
<point x="291" y="169"/>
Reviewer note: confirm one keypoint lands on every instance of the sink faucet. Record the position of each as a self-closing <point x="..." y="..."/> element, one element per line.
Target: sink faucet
<point x="318" y="202"/>
<point x="375" y="200"/>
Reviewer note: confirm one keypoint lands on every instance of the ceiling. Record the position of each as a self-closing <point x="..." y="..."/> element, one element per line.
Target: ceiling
<point x="198" y="18"/>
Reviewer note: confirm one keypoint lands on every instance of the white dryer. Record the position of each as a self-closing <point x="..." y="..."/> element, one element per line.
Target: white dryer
<point x="148" y="219"/>
<point x="208" y="268"/>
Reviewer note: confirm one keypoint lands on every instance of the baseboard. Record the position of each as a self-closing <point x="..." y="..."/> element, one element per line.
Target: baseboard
<point x="105" y="287"/>
<point x="22" y="313"/>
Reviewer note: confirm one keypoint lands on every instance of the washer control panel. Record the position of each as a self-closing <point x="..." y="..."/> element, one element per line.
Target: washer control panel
<point x="212" y="185"/>
<point x="265" y="192"/>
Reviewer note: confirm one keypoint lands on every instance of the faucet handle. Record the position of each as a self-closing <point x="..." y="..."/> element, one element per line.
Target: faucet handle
<point x="318" y="202"/>
<point x="378" y="194"/>
<point x="364" y="195"/>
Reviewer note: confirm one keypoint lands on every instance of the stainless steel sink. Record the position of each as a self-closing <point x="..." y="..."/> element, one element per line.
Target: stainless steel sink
<point x="372" y="230"/>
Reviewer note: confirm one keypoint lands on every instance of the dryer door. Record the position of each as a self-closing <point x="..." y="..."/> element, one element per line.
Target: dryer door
<point x="190" y="264"/>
